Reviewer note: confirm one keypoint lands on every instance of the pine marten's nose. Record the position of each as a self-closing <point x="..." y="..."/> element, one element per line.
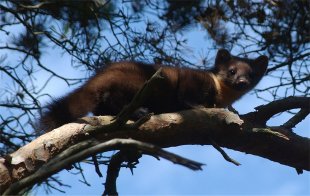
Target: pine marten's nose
<point x="242" y="83"/>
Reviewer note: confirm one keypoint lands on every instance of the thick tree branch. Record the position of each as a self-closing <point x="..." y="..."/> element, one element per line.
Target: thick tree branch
<point x="187" y="127"/>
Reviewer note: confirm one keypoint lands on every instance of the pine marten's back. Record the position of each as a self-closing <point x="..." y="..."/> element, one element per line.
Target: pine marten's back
<point x="109" y="90"/>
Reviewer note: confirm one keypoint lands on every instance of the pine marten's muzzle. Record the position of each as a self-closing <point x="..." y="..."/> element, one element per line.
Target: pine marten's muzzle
<point x="242" y="83"/>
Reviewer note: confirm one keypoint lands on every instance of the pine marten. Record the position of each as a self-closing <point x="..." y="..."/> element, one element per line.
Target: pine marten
<point x="109" y="90"/>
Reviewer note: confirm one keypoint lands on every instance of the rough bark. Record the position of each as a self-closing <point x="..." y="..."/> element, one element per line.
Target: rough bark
<point x="191" y="127"/>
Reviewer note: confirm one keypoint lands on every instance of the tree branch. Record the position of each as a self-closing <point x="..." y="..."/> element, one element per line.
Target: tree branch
<point x="129" y="155"/>
<point x="186" y="127"/>
<point x="297" y="118"/>
<point x="223" y="153"/>
<point x="87" y="148"/>
<point x="265" y="112"/>
<point x="138" y="99"/>
<point x="112" y="173"/>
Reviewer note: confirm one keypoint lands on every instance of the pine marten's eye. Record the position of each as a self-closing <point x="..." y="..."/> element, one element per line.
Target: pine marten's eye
<point x="232" y="71"/>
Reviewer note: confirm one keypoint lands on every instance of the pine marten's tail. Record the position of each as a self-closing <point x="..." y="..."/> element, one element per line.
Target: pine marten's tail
<point x="67" y="109"/>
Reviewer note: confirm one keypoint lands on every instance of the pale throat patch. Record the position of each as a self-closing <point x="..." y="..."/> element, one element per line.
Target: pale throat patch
<point x="225" y="95"/>
<point x="218" y="96"/>
<point x="216" y="81"/>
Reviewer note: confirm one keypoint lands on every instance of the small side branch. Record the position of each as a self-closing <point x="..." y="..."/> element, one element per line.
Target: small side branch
<point x="176" y="159"/>
<point x="123" y="116"/>
<point x="297" y="118"/>
<point x="96" y="164"/>
<point x="223" y="153"/>
<point x="138" y="99"/>
<point x="37" y="6"/>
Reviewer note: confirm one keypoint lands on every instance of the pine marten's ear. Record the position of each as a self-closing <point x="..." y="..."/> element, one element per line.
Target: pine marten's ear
<point x="260" y="64"/>
<point x="222" y="56"/>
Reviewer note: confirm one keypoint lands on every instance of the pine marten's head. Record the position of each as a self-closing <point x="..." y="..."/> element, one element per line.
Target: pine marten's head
<point x="239" y="74"/>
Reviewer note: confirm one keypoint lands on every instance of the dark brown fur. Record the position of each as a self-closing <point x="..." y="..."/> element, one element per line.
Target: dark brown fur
<point x="111" y="89"/>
